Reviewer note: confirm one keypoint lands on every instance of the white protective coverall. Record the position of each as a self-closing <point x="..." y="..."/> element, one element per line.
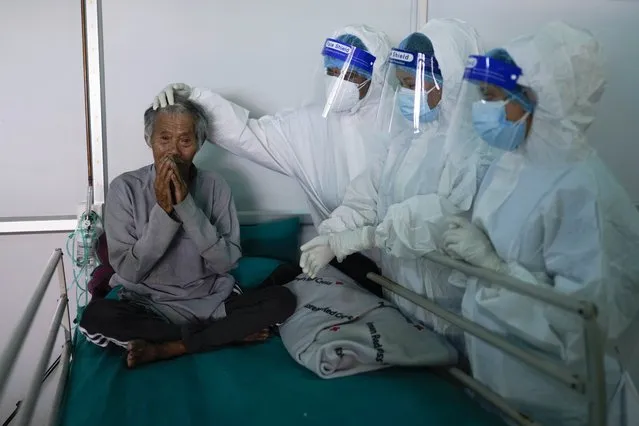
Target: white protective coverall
<point x="557" y="218"/>
<point x="323" y="155"/>
<point x="399" y="204"/>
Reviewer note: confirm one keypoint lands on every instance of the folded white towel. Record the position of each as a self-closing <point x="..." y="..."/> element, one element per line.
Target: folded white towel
<point x="339" y="330"/>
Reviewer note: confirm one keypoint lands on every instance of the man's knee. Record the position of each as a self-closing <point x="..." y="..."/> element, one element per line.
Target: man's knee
<point x="101" y="313"/>
<point x="97" y="319"/>
<point x="96" y="310"/>
<point x="282" y="302"/>
<point x="283" y="274"/>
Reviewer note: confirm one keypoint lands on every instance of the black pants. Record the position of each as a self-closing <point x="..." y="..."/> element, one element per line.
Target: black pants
<point x="119" y="321"/>
<point x="357" y="266"/>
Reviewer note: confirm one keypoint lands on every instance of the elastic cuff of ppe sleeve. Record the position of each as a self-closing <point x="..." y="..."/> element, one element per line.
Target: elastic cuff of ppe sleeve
<point x="335" y="245"/>
<point x="342" y="246"/>
<point x="368" y="237"/>
<point x="325" y="227"/>
<point x="378" y="240"/>
<point x="381" y="239"/>
<point x="196" y="93"/>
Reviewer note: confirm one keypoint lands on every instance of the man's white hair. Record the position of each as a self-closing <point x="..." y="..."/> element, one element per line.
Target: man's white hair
<point x="181" y="105"/>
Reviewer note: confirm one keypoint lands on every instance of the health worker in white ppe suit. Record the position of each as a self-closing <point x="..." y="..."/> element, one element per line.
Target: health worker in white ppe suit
<point x="323" y="145"/>
<point x="399" y="205"/>
<point x="549" y="213"/>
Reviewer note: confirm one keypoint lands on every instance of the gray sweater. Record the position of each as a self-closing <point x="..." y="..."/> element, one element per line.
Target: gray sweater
<point x="179" y="266"/>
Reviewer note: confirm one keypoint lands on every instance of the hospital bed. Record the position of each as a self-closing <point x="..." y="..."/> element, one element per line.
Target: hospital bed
<point x="262" y="384"/>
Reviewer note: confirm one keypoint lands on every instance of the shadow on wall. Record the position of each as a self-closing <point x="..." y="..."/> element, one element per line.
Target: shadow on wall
<point x="213" y="158"/>
<point x="254" y="187"/>
<point x="241" y="174"/>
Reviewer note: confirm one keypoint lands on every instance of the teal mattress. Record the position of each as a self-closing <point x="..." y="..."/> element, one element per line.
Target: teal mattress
<point x="254" y="385"/>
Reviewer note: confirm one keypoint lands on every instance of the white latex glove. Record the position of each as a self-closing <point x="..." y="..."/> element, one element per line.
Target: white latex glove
<point x="167" y="95"/>
<point x="466" y="241"/>
<point x="316" y="254"/>
<point x="348" y="242"/>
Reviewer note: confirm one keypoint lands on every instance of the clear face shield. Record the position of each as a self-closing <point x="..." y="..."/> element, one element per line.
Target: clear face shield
<point x="347" y="74"/>
<point x="411" y="93"/>
<point x="500" y="115"/>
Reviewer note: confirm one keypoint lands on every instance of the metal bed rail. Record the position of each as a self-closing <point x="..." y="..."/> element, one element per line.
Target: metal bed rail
<point x="61" y="318"/>
<point x="592" y="386"/>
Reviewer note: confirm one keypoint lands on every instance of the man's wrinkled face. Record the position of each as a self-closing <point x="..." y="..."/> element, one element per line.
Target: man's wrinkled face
<point x="174" y="135"/>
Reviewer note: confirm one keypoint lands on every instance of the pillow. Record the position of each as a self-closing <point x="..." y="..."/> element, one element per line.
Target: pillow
<point x="278" y="239"/>
<point x="251" y="271"/>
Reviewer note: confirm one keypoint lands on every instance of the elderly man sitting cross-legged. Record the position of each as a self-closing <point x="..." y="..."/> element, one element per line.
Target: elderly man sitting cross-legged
<point x="173" y="236"/>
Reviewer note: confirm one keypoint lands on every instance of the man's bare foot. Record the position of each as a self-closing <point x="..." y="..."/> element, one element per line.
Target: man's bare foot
<point x="140" y="352"/>
<point x="260" y="336"/>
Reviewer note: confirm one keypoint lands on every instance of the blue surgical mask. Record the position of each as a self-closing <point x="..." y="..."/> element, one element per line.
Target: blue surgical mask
<point x="406" y="103"/>
<point x="489" y="121"/>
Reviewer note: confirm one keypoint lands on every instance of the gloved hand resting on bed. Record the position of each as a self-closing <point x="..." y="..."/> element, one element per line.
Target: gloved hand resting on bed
<point x="318" y="252"/>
